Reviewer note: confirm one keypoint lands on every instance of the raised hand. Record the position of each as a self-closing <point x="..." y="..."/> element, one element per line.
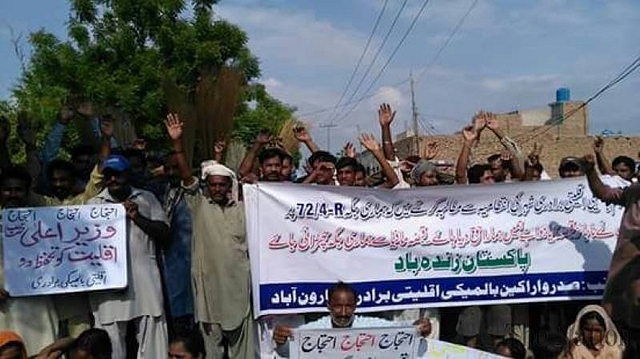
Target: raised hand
<point x="386" y="114"/>
<point x="301" y="134"/>
<point x="369" y="142"/>
<point x="263" y="138"/>
<point x="430" y="151"/>
<point x="106" y="127"/>
<point x="174" y="126"/>
<point x="534" y="156"/>
<point x="25" y="130"/>
<point x="251" y="178"/>
<point x="479" y="121"/>
<point x="598" y="144"/>
<point x="349" y="150"/>
<point x="469" y="133"/>
<point x="492" y="120"/>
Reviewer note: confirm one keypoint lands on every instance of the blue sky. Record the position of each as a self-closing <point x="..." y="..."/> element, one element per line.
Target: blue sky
<point x="508" y="55"/>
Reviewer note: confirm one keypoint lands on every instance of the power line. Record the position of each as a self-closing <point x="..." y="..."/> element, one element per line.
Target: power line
<point x="364" y="52"/>
<point x="422" y="72"/>
<point x="375" y="57"/>
<point x="446" y="43"/>
<point x="321" y="110"/>
<point x="395" y="50"/>
<point x="635" y="64"/>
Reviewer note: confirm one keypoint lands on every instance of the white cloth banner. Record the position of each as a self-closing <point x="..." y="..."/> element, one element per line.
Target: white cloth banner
<point x="427" y="247"/>
<point x="49" y="250"/>
<point x="367" y="343"/>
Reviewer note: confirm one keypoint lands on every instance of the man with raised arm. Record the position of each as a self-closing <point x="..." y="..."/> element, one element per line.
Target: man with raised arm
<point x="220" y="260"/>
<point x="622" y="293"/>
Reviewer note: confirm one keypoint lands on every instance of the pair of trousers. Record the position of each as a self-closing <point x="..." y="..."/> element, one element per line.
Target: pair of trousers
<point x="239" y="341"/>
<point x="151" y="334"/>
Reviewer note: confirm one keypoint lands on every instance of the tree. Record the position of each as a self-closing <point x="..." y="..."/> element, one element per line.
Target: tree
<point x="138" y="59"/>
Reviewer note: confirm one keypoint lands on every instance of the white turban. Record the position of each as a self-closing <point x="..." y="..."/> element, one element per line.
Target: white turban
<point x="213" y="168"/>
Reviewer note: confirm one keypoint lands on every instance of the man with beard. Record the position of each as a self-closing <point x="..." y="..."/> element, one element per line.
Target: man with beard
<point x="33" y="317"/>
<point x="220" y="260"/>
<point x="140" y="304"/>
<point x="342" y="307"/>
<point x="73" y="309"/>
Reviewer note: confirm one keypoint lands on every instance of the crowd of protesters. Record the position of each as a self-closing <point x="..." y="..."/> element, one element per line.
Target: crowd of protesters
<point x="189" y="291"/>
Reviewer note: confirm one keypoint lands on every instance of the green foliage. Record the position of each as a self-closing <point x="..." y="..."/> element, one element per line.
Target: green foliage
<point x="120" y="53"/>
<point x="267" y="114"/>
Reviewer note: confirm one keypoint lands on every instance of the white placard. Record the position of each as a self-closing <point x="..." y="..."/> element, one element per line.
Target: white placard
<point x="365" y="343"/>
<point x="49" y="250"/>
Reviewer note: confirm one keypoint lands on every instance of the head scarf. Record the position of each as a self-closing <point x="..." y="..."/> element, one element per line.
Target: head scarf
<point x="424" y="166"/>
<point x="213" y="168"/>
<point x="7" y="337"/>
<point x="573" y="333"/>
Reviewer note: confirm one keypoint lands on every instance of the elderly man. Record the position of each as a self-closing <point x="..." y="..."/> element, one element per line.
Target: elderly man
<point x="220" y="261"/>
<point x="140" y="303"/>
<point x="342" y="308"/>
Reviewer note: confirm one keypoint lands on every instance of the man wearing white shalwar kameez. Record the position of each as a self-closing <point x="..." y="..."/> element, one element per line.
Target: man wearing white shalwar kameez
<point x="142" y="300"/>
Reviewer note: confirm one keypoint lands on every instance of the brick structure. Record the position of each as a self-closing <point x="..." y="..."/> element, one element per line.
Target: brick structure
<point x="569" y="137"/>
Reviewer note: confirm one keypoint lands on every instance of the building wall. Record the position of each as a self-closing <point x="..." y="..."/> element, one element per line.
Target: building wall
<point x="570" y="138"/>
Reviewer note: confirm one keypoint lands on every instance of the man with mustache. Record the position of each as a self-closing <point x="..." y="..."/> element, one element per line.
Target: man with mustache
<point x="141" y="303"/>
<point x="220" y="260"/>
<point x="342" y="307"/>
<point x="73" y="309"/>
<point x="33" y="317"/>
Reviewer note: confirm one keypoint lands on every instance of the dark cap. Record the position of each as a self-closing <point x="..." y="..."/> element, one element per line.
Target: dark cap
<point x="575" y="161"/>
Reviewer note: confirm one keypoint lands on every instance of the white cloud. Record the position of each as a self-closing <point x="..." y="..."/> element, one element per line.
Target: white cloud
<point x="271" y="84"/>
<point x="521" y="82"/>
<point x="299" y="38"/>
<point x="387" y="94"/>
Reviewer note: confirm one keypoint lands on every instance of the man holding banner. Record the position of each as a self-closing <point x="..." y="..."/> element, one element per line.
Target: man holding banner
<point x="35" y="317"/>
<point x="342" y="307"/>
<point x="141" y="302"/>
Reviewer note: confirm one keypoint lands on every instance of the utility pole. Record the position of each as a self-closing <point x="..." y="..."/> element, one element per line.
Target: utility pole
<point x="414" y="112"/>
<point x="328" y="126"/>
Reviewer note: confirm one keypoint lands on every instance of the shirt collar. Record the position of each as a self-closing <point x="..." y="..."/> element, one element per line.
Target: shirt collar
<point x="106" y="196"/>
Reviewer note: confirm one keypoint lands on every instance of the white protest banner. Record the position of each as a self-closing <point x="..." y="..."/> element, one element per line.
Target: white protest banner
<point x="49" y="250"/>
<point x="427" y="247"/>
<point x="442" y="350"/>
<point x="366" y="343"/>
